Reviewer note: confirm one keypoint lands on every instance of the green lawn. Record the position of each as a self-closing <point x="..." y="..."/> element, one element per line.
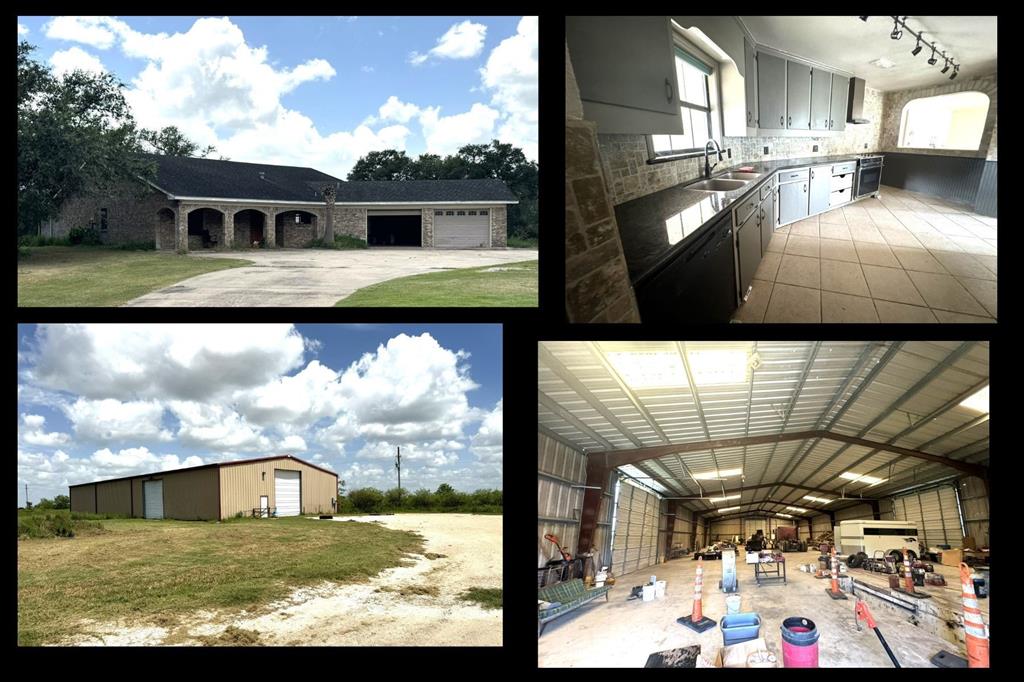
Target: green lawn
<point x="101" y="276"/>
<point x="155" y="571"/>
<point x="487" y="597"/>
<point x="504" y="285"/>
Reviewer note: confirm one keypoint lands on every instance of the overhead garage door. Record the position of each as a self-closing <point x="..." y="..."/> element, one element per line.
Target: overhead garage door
<point x="636" y="530"/>
<point x="394" y="228"/>
<point x="153" y="494"/>
<point x="286" y="492"/>
<point x="462" y="228"/>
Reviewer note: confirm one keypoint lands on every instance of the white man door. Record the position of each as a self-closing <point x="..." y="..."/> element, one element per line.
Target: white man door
<point x="153" y="496"/>
<point x="287" y="492"/>
<point x="462" y="228"/>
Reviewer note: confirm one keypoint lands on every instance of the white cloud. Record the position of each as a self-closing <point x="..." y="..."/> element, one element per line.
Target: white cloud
<point x="185" y="361"/>
<point x="75" y="58"/>
<point x="435" y="454"/>
<point x="22" y="30"/>
<point x="113" y="420"/>
<point x="216" y="426"/>
<point x="487" y="443"/>
<point x="366" y="69"/>
<point x="397" y="110"/>
<point x="312" y="394"/>
<point x="446" y="134"/>
<point x="32" y="432"/>
<point x="99" y="32"/>
<point x="511" y="76"/>
<point x="294" y="442"/>
<point x="461" y="41"/>
<point x="137" y="461"/>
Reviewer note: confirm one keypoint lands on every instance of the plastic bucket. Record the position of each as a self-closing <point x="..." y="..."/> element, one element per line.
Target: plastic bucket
<point x="648" y="592"/>
<point x="659" y="589"/>
<point x="740" y="627"/>
<point x="732" y="603"/>
<point x="799" y="643"/>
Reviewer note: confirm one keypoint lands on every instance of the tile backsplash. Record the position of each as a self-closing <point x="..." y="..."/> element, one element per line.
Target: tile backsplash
<point x="628" y="175"/>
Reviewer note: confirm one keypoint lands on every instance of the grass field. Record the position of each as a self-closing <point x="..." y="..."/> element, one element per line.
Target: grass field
<point x="102" y="276"/>
<point x="154" y="571"/>
<point x="507" y="285"/>
<point x="489" y="597"/>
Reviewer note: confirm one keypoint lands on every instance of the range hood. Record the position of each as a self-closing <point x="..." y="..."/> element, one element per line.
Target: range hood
<point x="855" y="105"/>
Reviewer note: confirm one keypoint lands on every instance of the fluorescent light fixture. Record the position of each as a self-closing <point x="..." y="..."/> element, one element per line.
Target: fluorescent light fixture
<point x="721" y="473"/>
<point x="788" y="516"/>
<point x="797" y="509"/>
<point x="978" y="401"/>
<point x="817" y="499"/>
<point x="723" y="499"/>
<point x="648" y="369"/>
<point x="711" y="366"/>
<point x="861" y="478"/>
<point x="726" y="509"/>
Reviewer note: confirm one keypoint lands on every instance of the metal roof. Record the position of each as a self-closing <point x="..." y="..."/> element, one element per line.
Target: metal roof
<point x="209" y="466"/>
<point x="904" y="393"/>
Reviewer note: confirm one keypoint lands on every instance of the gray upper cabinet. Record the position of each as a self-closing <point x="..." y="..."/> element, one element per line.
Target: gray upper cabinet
<point x="625" y="69"/>
<point x="750" y="82"/>
<point x="798" y="96"/>
<point x="840" y="94"/>
<point x="821" y="187"/>
<point x="771" y="91"/>
<point x="821" y="95"/>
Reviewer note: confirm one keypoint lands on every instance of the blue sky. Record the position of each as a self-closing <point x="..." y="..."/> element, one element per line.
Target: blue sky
<point x="103" y="401"/>
<point x="318" y="91"/>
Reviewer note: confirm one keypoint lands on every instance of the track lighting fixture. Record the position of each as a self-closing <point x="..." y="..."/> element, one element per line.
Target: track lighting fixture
<point x="956" y="68"/>
<point x="900" y="23"/>
<point x="896" y="32"/>
<point x="917" y="48"/>
<point x="863" y="18"/>
<point x="932" y="60"/>
<point x="946" y="67"/>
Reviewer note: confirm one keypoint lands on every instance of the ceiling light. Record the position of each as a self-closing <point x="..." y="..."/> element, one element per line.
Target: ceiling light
<point x="720" y="473"/>
<point x="863" y="18"/>
<point x="861" y="478"/>
<point x="932" y="60"/>
<point x="797" y="509"/>
<point x="711" y="366"/>
<point x="916" y="48"/>
<point x="896" y="33"/>
<point x="956" y="69"/>
<point x="723" y="499"/>
<point x="817" y="499"/>
<point x="883" y="63"/>
<point x="946" y="67"/>
<point x="977" y="401"/>
<point x="649" y="369"/>
<point x="788" y="516"/>
<point x="726" y="509"/>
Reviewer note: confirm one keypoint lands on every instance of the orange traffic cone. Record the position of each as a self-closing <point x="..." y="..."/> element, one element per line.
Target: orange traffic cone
<point x="908" y="580"/>
<point x="697" y="621"/>
<point x="974" y="627"/>
<point x="835" y="592"/>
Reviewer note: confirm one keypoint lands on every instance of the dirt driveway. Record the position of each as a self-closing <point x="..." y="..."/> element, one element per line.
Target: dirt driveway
<point x="389" y="610"/>
<point x="315" y="277"/>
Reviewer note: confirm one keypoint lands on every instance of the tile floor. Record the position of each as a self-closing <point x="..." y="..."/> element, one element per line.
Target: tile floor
<point x="901" y="257"/>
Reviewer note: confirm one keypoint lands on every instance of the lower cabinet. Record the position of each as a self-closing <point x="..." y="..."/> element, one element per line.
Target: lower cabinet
<point x="767" y="220"/>
<point x="821" y="187"/>
<point x="792" y="202"/>
<point x="748" y="251"/>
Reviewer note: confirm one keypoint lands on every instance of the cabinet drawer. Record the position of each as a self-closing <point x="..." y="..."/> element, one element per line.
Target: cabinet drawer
<point x="842" y="181"/>
<point x="766" y="189"/>
<point x="840" y="196"/>
<point x="744" y="207"/>
<point x="845" y="167"/>
<point x="794" y="175"/>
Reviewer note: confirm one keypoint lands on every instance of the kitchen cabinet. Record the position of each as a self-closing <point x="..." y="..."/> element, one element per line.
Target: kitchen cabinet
<point x="750" y="82"/>
<point x="767" y="220"/>
<point x="821" y="98"/>
<point x="771" y="91"/>
<point x="798" y="96"/>
<point x="840" y="94"/>
<point x="792" y="202"/>
<point x="748" y="251"/>
<point x="625" y="70"/>
<point x="821" y="187"/>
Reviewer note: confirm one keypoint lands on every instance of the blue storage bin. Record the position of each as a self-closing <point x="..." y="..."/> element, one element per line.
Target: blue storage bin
<point x="740" y="627"/>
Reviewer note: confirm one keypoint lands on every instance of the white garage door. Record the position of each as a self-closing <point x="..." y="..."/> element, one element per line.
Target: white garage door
<point x="153" y="494"/>
<point x="286" y="492"/>
<point x="635" y="545"/>
<point x="462" y="228"/>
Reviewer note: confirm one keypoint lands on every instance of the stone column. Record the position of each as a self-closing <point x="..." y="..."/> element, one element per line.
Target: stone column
<point x="229" y="229"/>
<point x="182" y="237"/>
<point x="269" y="233"/>
<point x="427" y="227"/>
<point x="499" y="227"/>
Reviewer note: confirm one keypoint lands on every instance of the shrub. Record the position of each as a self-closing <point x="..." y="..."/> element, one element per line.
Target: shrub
<point x="137" y="246"/>
<point x="522" y="242"/>
<point x="84" y="235"/>
<point x="40" y="240"/>
<point x="367" y="500"/>
<point x="422" y="499"/>
<point x="395" y="497"/>
<point x="50" y="524"/>
<point x="341" y="241"/>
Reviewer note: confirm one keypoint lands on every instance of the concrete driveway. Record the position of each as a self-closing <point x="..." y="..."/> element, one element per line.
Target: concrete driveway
<point x="314" y="277"/>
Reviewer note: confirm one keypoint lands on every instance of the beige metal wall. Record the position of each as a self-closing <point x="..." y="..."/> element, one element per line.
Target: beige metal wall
<point x="935" y="513"/>
<point x="974" y="501"/>
<point x="635" y="546"/>
<point x="724" y="529"/>
<point x="242" y="484"/>
<point x="137" y="510"/>
<point x="820" y="524"/>
<point x="113" y="497"/>
<point x="682" y="536"/>
<point x="83" y="498"/>
<point x="188" y="495"/>
<point x="559" y="467"/>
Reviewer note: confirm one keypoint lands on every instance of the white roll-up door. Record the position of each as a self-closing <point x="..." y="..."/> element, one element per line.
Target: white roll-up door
<point x="153" y="494"/>
<point x="636" y="530"/>
<point x="287" y="491"/>
<point x="462" y="228"/>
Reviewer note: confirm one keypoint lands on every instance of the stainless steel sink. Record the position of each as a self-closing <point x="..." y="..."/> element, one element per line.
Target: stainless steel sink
<point x="740" y="175"/>
<point x="718" y="185"/>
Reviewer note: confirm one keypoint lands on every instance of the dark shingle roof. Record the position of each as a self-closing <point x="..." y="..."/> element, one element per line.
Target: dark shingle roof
<point x="189" y="177"/>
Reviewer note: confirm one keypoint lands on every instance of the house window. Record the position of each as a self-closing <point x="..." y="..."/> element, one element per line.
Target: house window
<point x="472" y="213"/>
<point x="438" y="212"/>
<point x="696" y="83"/>
<point x="954" y="121"/>
<point x="460" y="213"/>
<point x="484" y="212"/>
<point x="103" y="220"/>
<point x="449" y="212"/>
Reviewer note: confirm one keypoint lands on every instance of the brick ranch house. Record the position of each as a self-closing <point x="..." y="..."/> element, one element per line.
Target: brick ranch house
<point x="204" y="203"/>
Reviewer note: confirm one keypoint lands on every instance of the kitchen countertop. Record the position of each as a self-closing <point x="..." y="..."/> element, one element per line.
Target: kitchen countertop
<point x="656" y="227"/>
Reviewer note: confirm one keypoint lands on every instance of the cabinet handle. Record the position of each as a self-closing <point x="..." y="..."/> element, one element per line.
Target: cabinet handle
<point x="790" y="123"/>
<point x="668" y="89"/>
<point x="782" y="120"/>
<point x="805" y="189"/>
<point x="812" y="175"/>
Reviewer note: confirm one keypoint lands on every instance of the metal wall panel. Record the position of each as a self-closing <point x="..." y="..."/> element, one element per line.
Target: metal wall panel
<point x="974" y="501"/>
<point x="723" y="530"/>
<point x="820" y="524"/>
<point x="856" y="512"/>
<point x="556" y="499"/>
<point x="241" y="486"/>
<point x="682" y="536"/>
<point x="114" y="497"/>
<point x="935" y="513"/>
<point x="635" y="545"/>
<point x="83" y="498"/>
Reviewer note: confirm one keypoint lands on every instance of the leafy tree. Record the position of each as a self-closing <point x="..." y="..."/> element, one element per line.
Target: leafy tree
<point x="383" y="165"/>
<point x="367" y="499"/>
<point x="44" y="504"/>
<point x="61" y="502"/>
<point x="170" y="141"/>
<point x="422" y="499"/>
<point x="341" y="487"/>
<point x="393" y="497"/>
<point x="444" y="489"/>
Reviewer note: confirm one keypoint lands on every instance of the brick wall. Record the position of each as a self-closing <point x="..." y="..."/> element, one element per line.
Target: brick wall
<point x="298" y="236"/>
<point x="499" y="227"/>
<point x="130" y="218"/>
<point x="350" y="221"/>
<point x="426" y="227"/>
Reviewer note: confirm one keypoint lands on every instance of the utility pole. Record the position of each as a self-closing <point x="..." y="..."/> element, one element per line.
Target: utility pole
<point x="26" y="496"/>
<point x="398" y="465"/>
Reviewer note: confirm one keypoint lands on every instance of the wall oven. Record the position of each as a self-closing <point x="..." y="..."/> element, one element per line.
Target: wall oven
<point x="869" y="175"/>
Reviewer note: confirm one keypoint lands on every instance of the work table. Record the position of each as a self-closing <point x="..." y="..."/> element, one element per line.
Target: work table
<point x="656" y="227"/>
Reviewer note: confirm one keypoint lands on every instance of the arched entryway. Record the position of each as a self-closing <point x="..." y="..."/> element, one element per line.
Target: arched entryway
<point x="295" y="228"/>
<point x="164" y="231"/>
<point x="205" y="228"/>
<point x="250" y="225"/>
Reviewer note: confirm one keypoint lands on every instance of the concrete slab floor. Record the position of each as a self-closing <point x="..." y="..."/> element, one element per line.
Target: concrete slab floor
<point x="621" y="633"/>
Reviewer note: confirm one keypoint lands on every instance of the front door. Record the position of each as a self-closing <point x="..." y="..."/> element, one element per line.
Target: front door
<point x="264" y="503"/>
<point x="255" y="234"/>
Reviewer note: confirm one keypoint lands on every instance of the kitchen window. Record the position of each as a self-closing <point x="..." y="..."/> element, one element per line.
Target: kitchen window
<point x="697" y="85"/>
<point x="953" y="121"/>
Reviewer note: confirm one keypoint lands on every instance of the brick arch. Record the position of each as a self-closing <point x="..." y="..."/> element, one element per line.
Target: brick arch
<point x="246" y="232"/>
<point x="165" y="222"/>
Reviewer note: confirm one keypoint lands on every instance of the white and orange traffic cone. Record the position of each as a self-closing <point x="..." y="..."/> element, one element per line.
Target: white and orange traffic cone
<point x="908" y="580"/>
<point x="834" y="591"/>
<point x="975" y="633"/>
<point x="697" y="621"/>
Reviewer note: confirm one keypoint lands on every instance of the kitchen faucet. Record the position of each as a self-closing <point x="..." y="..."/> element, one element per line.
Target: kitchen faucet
<point x="708" y="168"/>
